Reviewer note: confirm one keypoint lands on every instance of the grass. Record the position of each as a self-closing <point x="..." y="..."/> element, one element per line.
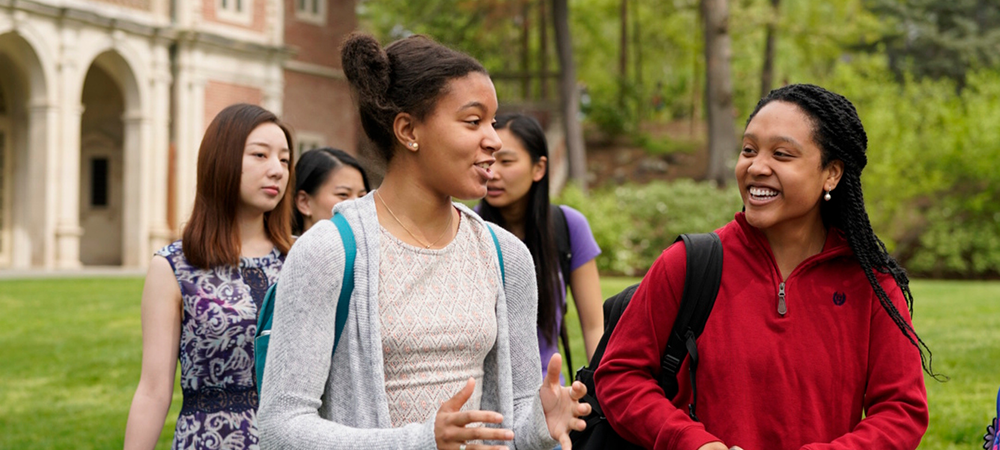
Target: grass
<point x="71" y="353"/>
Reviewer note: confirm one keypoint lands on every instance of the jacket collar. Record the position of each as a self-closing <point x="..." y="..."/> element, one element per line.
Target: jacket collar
<point x="836" y="244"/>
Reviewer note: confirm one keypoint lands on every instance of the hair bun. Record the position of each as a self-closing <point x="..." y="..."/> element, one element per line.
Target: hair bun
<point x="366" y="65"/>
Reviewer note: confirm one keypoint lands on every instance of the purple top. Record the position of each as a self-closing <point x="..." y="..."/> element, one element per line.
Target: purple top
<point x="583" y="249"/>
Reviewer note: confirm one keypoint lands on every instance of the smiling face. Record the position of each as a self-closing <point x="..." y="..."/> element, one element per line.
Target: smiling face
<point x="456" y="141"/>
<point x="342" y="183"/>
<point x="780" y="172"/>
<point x="265" y="169"/>
<point x="513" y="173"/>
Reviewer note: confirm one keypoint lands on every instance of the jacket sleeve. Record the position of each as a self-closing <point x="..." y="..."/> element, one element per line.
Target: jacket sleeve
<point x="626" y="380"/>
<point x="299" y="357"/>
<point x="521" y="293"/>
<point x="896" y="414"/>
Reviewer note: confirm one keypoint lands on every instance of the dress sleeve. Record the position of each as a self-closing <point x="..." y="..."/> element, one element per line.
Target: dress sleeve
<point x="626" y="380"/>
<point x="582" y="243"/>
<point x="896" y="414"/>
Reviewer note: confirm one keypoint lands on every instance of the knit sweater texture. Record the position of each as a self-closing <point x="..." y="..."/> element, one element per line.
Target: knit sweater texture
<point x="309" y="401"/>
<point x="833" y="372"/>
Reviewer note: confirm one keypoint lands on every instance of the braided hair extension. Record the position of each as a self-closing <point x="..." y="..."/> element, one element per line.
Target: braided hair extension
<point x="838" y="131"/>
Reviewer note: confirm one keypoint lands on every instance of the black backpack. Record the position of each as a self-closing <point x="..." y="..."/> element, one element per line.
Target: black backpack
<point x="701" y="286"/>
<point x="564" y="250"/>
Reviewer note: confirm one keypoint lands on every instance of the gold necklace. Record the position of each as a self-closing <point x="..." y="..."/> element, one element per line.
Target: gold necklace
<point x="446" y="230"/>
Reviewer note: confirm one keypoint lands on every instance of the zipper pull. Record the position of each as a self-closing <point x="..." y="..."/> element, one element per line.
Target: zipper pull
<point x="782" y="309"/>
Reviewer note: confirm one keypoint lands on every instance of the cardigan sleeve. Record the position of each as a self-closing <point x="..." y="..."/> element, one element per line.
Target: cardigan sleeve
<point x="299" y="357"/>
<point x="895" y="402"/>
<point x="521" y="293"/>
<point x="626" y="380"/>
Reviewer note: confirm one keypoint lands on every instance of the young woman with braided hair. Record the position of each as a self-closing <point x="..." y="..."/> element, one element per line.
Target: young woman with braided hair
<point x="809" y="344"/>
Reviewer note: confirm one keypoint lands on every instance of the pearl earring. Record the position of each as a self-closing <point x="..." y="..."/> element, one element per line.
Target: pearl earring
<point x="827" y="197"/>
<point x="414" y="145"/>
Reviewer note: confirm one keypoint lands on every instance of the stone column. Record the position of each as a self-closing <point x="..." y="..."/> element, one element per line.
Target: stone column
<point x="68" y="230"/>
<point x="43" y="176"/>
<point x="135" y="189"/>
<point x="159" y="230"/>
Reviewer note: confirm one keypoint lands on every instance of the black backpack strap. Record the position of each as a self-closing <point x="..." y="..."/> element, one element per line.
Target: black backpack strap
<point x="701" y="287"/>
<point x="561" y="231"/>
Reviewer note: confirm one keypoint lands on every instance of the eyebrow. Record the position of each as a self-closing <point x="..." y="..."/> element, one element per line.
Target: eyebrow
<point x="473" y="104"/>
<point x="778" y="138"/>
<point x="265" y="144"/>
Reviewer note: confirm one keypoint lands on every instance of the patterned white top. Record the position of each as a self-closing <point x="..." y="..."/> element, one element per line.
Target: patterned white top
<point x="437" y="308"/>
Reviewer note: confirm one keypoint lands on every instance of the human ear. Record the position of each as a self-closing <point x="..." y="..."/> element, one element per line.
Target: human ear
<point x="302" y="203"/>
<point x="832" y="174"/>
<point x="404" y="127"/>
<point x="539" y="168"/>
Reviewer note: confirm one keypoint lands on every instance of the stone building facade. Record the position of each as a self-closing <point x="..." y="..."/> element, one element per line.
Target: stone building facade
<point x="103" y="104"/>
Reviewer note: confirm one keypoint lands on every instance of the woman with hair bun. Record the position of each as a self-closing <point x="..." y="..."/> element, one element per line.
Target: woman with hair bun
<point x="810" y="343"/>
<point x="439" y="348"/>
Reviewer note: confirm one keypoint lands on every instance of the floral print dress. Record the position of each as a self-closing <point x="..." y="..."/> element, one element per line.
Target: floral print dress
<point x="216" y="349"/>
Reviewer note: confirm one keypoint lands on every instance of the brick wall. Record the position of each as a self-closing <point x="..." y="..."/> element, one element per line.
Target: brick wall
<point x="321" y="105"/>
<point x="219" y="95"/>
<point x="320" y="44"/>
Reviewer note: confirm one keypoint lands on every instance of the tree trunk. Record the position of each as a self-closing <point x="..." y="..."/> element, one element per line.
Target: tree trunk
<point x="767" y="71"/>
<point x="569" y="95"/>
<point x="718" y="91"/>
<point x="623" y="56"/>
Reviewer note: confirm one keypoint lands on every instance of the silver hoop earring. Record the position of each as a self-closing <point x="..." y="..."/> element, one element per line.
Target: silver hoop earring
<point x="827" y="197"/>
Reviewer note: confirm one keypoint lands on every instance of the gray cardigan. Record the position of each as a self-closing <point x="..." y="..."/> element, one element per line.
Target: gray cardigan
<point x="307" y="402"/>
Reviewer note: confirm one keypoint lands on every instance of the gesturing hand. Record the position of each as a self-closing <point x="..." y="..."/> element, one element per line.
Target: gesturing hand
<point x="451" y="433"/>
<point x="561" y="404"/>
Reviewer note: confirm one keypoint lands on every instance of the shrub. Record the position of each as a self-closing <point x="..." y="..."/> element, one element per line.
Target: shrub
<point x="633" y="224"/>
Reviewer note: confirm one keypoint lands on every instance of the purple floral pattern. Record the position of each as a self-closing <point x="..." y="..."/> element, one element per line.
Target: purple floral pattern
<point x="216" y="349"/>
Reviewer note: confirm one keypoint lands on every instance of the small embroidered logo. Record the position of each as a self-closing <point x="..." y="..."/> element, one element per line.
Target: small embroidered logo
<point x="839" y="298"/>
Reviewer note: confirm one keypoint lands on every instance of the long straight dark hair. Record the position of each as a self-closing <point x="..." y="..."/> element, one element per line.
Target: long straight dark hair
<point x="539" y="235"/>
<point x="211" y="237"/>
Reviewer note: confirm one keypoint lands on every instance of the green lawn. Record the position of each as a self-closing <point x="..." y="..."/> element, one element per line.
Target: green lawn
<point x="71" y="353"/>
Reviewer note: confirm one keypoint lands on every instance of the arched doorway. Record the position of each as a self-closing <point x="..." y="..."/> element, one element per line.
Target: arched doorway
<point x="6" y="177"/>
<point x="102" y="135"/>
<point x="26" y="122"/>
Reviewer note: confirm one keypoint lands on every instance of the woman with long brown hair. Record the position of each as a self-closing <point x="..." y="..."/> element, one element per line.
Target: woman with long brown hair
<point x="200" y="300"/>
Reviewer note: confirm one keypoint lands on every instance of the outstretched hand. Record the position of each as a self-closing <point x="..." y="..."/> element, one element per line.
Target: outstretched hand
<point x="450" y="424"/>
<point x="561" y="404"/>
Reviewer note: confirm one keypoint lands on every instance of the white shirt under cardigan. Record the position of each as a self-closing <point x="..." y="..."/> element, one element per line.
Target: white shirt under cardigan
<point x="437" y="308"/>
<point x="308" y="402"/>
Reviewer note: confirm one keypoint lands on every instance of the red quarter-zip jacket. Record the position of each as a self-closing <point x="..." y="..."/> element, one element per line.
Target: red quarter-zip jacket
<point x="829" y="370"/>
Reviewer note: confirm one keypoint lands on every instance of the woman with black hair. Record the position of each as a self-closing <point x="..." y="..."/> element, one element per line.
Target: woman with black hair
<point x="324" y="177"/>
<point x="439" y="347"/>
<point x="517" y="199"/>
<point x="810" y="343"/>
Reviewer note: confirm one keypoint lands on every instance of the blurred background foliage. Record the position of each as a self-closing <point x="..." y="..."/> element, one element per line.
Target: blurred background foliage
<point x="923" y="74"/>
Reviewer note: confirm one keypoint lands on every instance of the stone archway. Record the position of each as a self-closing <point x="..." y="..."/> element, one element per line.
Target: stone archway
<point x="6" y="176"/>
<point x="27" y="119"/>
<point x="102" y="138"/>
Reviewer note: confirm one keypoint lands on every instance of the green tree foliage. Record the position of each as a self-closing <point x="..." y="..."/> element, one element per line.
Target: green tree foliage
<point x="938" y="39"/>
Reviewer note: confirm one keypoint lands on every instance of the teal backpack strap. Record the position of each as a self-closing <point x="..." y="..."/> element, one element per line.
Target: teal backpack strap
<point x="350" y="251"/>
<point x="263" y="336"/>
<point x="496" y="242"/>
